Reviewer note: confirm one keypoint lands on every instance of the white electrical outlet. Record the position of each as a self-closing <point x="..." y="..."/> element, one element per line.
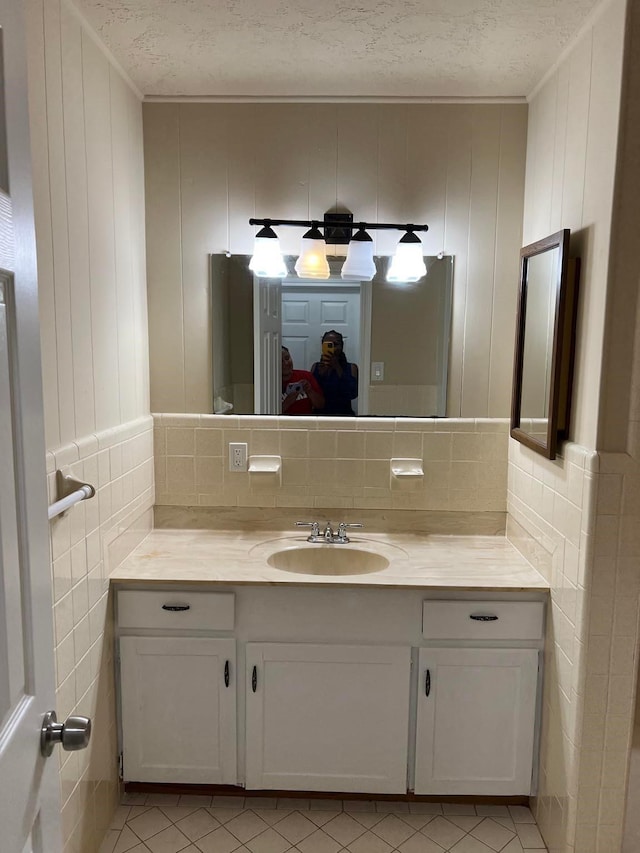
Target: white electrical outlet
<point x="237" y="456"/>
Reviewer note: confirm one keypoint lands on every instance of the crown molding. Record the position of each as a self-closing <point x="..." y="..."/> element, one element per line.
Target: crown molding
<point x="332" y="99"/>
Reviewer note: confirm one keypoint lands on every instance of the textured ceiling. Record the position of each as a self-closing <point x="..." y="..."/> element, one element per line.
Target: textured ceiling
<point x="375" y="48"/>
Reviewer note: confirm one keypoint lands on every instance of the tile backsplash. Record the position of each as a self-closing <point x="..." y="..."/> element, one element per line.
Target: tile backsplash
<point x="337" y="463"/>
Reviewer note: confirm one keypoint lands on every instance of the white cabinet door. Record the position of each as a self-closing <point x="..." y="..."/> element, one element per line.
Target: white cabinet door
<point x="178" y="714"/>
<point x="327" y="718"/>
<point x="476" y="721"/>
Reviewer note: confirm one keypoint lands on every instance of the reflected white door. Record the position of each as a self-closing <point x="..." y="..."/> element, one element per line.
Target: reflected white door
<point x="267" y="354"/>
<point x="29" y="806"/>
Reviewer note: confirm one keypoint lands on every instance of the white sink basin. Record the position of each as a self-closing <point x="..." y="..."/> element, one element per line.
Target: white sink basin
<point x="327" y="560"/>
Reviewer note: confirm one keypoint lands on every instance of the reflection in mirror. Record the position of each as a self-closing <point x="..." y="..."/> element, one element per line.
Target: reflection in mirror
<point x="396" y="334"/>
<point x="544" y="344"/>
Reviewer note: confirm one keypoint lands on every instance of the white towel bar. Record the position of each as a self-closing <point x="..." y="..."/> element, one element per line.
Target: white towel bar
<point x="70" y="492"/>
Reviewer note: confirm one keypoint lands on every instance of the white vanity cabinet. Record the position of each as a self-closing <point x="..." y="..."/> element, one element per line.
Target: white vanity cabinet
<point x="177" y="691"/>
<point x="327" y="717"/>
<point x="476" y="707"/>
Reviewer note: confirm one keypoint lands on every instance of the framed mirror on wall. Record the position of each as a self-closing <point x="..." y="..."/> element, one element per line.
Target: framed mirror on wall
<point x="545" y="344"/>
<point x="398" y="335"/>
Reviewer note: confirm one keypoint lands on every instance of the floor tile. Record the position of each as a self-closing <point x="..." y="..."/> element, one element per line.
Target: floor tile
<point x="321" y="817"/>
<point x="198" y="800"/>
<point x="369" y="843"/>
<point x="443" y="832"/>
<point x="109" y="841"/>
<point x="224" y="815"/>
<point x="391" y="807"/>
<point x="529" y="836"/>
<point x="425" y="808"/>
<point x="419" y="843"/>
<point x="273" y="816"/>
<point x="326" y="805"/>
<point x="134" y="799"/>
<point x="176" y="813"/>
<point x="295" y="826"/>
<point x="492" y="834"/>
<point x="128" y="839"/>
<point x="162" y="800"/>
<point x="120" y="817"/>
<point x="513" y="846"/>
<point x="393" y="830"/>
<point x="344" y="829"/>
<point x="368" y="819"/>
<point x="466" y="822"/>
<point x="471" y="845"/>
<point x="293" y="803"/>
<point x="227" y="803"/>
<point x="492" y="811"/>
<point x="170" y="840"/>
<point x="458" y="809"/>
<point x="260" y="803"/>
<point x="134" y="811"/>
<point x="246" y="826"/>
<point x="268" y="842"/>
<point x="319" y="842"/>
<point x="506" y="822"/>
<point x="140" y="848"/>
<point x="149" y="823"/>
<point x="521" y="814"/>
<point x="417" y="821"/>
<point x="218" y="841"/>
<point x="197" y="824"/>
<point x="359" y="805"/>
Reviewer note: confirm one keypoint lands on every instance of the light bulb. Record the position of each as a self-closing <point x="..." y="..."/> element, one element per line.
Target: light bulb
<point x="267" y="260"/>
<point x="408" y="263"/>
<point x="312" y="262"/>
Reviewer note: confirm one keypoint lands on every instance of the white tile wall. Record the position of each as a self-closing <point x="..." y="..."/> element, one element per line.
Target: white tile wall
<point x="86" y="543"/>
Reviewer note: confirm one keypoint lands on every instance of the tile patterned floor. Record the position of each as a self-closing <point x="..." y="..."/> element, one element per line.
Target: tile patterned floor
<point x="161" y="823"/>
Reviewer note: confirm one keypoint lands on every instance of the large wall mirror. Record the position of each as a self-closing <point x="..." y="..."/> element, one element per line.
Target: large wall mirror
<point x="545" y="334"/>
<point x="398" y="335"/>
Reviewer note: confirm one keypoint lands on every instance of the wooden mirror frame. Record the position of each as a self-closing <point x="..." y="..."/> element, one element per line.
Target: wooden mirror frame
<point x="563" y="346"/>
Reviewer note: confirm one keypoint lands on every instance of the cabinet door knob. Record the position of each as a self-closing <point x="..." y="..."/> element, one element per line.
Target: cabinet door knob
<point x="226" y="673"/>
<point x="427" y="683"/>
<point x="254" y="679"/>
<point x="176" y="608"/>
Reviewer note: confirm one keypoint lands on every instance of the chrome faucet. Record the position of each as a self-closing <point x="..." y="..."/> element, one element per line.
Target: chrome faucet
<point x="328" y="536"/>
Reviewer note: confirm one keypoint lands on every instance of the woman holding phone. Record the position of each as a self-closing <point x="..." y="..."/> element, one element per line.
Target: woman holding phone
<point x="337" y="377"/>
<point x="300" y="391"/>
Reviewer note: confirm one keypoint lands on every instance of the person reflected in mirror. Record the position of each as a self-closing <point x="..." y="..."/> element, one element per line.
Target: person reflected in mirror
<point x="337" y="377"/>
<point x="301" y="394"/>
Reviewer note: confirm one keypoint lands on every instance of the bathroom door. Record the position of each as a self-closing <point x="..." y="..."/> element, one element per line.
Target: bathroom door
<point x="29" y="806"/>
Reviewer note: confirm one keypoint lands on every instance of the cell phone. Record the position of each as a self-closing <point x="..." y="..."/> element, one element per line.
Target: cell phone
<point x="295" y="386"/>
<point x="328" y="347"/>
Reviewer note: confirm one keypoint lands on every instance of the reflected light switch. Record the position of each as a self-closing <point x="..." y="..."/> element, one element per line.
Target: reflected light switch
<point x="377" y="371"/>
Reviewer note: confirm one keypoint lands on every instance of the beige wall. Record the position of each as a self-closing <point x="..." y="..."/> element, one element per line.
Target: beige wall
<point x="459" y="168"/>
<point x="86" y="129"/>
<point x="579" y="527"/>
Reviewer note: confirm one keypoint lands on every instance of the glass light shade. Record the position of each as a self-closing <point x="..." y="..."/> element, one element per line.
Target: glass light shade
<point x="267" y="260"/>
<point x="359" y="264"/>
<point x="312" y="262"/>
<point x="408" y="263"/>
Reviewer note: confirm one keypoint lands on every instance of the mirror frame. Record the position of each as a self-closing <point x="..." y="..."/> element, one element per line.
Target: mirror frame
<point x="562" y="350"/>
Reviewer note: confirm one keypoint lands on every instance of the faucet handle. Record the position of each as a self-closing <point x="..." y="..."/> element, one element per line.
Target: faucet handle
<point x="315" y="529"/>
<point x="342" y="530"/>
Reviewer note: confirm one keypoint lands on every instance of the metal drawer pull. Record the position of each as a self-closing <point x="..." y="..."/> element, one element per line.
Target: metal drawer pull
<point x="176" y="608"/>
<point x="427" y="683"/>
<point x="482" y="617"/>
<point x="254" y="679"/>
<point x="226" y="673"/>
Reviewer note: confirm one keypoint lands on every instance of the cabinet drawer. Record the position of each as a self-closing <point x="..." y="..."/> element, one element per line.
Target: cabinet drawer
<point x="482" y="620"/>
<point x="213" y="611"/>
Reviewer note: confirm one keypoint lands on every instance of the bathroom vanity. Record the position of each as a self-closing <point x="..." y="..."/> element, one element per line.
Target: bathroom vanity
<point x="423" y="675"/>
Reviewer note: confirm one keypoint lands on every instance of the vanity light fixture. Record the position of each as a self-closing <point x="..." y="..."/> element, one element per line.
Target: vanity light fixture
<point x="407" y="263"/>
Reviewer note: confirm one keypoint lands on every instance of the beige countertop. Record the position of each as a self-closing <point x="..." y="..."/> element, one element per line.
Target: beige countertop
<point x="424" y="561"/>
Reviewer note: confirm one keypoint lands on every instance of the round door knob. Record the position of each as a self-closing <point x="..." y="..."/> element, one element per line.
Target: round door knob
<point x="73" y="734"/>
